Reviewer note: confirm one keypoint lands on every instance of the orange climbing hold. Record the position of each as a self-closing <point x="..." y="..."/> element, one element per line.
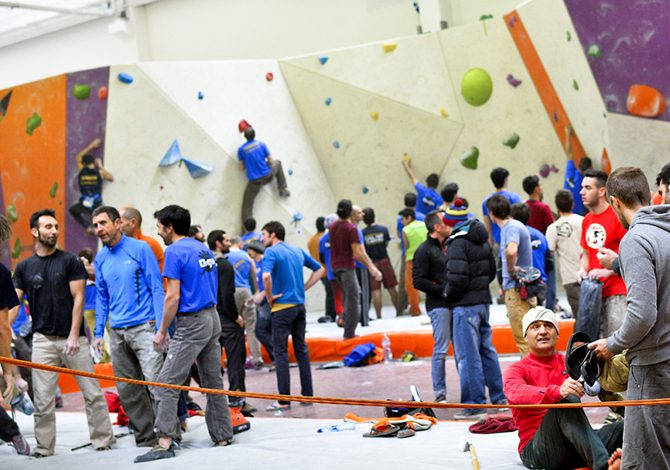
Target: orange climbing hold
<point x="605" y="164"/>
<point x="645" y="101"/>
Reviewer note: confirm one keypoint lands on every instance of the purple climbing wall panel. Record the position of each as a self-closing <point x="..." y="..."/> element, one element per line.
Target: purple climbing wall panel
<point x="86" y="120"/>
<point x="634" y="42"/>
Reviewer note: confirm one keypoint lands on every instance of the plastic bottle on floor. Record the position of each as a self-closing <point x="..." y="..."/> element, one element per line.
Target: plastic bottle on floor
<point x="386" y="346"/>
<point x="338" y="428"/>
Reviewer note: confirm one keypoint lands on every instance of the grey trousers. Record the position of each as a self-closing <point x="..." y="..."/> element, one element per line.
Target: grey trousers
<point x="134" y="357"/>
<point x="248" y="313"/>
<point x="49" y="350"/>
<point x="196" y="340"/>
<point x="254" y="187"/>
<point x="351" y="293"/>
<point x="572" y="292"/>
<point x="646" y="436"/>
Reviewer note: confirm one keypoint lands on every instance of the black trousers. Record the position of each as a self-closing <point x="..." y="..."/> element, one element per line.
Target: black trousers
<point x="232" y="340"/>
<point x="8" y="428"/>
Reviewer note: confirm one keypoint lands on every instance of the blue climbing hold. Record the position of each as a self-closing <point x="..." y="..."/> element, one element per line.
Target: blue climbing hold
<point x="126" y="78"/>
<point x="172" y="156"/>
<point x="328" y="101"/>
<point x="336" y="144"/>
<point x="290" y="171"/>
<point x="197" y="169"/>
<point x="365" y="190"/>
<point x="297" y="217"/>
<point x="201" y="95"/>
<point x="323" y="59"/>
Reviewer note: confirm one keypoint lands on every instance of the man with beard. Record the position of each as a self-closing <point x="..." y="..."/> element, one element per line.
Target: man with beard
<point x="191" y="297"/>
<point x="129" y="293"/>
<point x="54" y="281"/>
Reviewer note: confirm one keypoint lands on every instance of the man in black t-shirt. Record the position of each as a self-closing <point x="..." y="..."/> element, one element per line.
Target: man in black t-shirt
<point x="54" y="282"/>
<point x="376" y="239"/>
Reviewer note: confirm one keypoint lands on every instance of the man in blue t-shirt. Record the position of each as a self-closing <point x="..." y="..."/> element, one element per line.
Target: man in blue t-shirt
<point x="428" y="199"/>
<point x="285" y="288"/>
<point x="499" y="178"/>
<point x="261" y="168"/>
<point x="191" y="296"/>
<point x="517" y="254"/>
<point x="542" y="259"/>
<point x="250" y="232"/>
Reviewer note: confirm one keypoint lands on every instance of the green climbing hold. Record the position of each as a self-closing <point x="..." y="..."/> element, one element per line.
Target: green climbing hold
<point x="568" y="36"/>
<point x="512" y="140"/>
<point x="469" y="158"/>
<point x="575" y="85"/>
<point x="16" y="252"/>
<point x="53" y="190"/>
<point x="81" y="92"/>
<point x="33" y="123"/>
<point x="11" y="213"/>
<point x="476" y="86"/>
<point x="485" y="17"/>
<point x="594" y="51"/>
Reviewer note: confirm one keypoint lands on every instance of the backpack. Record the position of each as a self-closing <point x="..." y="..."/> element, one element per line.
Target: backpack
<point x="360" y="355"/>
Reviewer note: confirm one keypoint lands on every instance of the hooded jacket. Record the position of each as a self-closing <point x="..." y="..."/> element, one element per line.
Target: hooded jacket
<point x="645" y="268"/>
<point x="470" y="265"/>
<point x="428" y="272"/>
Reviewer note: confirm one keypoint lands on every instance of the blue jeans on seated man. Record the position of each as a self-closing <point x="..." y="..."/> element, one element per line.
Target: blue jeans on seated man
<point x="476" y="356"/>
<point x="440" y="318"/>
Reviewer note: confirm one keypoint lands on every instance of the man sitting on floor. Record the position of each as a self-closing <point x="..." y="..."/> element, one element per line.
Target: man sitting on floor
<point x="557" y="438"/>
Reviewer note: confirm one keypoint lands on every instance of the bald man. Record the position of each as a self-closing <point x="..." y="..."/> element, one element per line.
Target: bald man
<point x="131" y="226"/>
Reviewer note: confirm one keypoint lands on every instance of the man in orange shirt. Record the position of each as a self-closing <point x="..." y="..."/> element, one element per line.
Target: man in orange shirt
<point x="131" y="226"/>
<point x="313" y="248"/>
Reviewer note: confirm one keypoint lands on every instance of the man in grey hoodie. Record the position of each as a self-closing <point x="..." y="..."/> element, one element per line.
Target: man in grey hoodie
<point x="645" y="267"/>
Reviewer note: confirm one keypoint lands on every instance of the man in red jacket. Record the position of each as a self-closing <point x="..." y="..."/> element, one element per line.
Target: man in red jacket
<point x="556" y="438"/>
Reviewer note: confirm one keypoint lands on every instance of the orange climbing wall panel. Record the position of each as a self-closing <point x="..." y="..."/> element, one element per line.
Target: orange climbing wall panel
<point x="552" y="103"/>
<point x="30" y="165"/>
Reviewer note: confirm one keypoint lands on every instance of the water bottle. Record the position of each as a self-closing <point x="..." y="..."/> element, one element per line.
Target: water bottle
<point x="338" y="428"/>
<point x="386" y="346"/>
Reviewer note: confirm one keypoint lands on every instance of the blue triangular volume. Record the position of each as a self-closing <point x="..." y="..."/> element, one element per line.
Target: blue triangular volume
<point x="197" y="169"/>
<point x="172" y="156"/>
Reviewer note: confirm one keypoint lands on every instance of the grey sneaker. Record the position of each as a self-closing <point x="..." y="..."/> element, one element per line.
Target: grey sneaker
<point x="157" y="453"/>
<point x="20" y="444"/>
<point x="470" y="414"/>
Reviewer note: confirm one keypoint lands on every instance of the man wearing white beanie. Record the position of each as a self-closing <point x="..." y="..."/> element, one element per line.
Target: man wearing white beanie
<point x="555" y="438"/>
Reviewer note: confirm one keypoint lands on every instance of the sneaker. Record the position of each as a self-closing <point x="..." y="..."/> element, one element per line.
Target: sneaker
<point x="20" y="444"/>
<point x="284" y="193"/>
<point x="183" y="426"/>
<point x="248" y="364"/>
<point x="103" y="448"/>
<point x="258" y="365"/>
<point x="247" y="408"/>
<point x="157" y="453"/>
<point x="470" y="414"/>
<point x="38" y="455"/>
<point x="503" y="408"/>
<point x="325" y="319"/>
<point x="440" y="399"/>
<point x="613" y="417"/>
<point x="276" y="406"/>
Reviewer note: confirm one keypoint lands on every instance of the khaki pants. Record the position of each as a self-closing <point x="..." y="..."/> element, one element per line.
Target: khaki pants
<point x="89" y="318"/>
<point x="49" y="350"/>
<point x="412" y="292"/>
<point x="248" y="314"/>
<point x="516" y="309"/>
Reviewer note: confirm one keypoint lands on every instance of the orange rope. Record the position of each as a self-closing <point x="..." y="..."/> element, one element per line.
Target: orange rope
<point x="328" y="400"/>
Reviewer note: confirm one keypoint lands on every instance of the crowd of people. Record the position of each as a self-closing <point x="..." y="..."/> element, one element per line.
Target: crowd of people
<point x="157" y="314"/>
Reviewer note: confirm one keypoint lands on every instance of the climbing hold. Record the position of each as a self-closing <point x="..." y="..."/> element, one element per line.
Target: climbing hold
<point x="554" y="169"/>
<point x="568" y="36"/>
<point x="336" y="144"/>
<point x="16" y="252"/>
<point x="416" y="7"/>
<point x="197" y="169"/>
<point x="512" y="140"/>
<point x="512" y="21"/>
<point x="556" y="117"/>
<point x="243" y="125"/>
<point x="374" y="115"/>
<point x="575" y="85"/>
<point x="406" y="158"/>
<point x="172" y="156"/>
<point x="201" y="95"/>
<point x="297" y="217"/>
<point x="483" y="19"/>
<point x="645" y="101"/>
<point x="323" y="59"/>
<point x="328" y="101"/>
<point x="544" y="170"/>
<point x="513" y="81"/>
<point x="605" y="163"/>
<point x="33" y="123"/>
<point x="11" y="213"/>
<point x="444" y="113"/>
<point x="594" y="51"/>
<point x="125" y="78"/>
<point x="290" y="171"/>
<point x="53" y="190"/>
<point x="102" y="93"/>
<point x="389" y="46"/>
<point x="269" y="76"/>
<point x="365" y="190"/>
<point x="81" y="92"/>
<point x="4" y="104"/>
<point x="476" y="86"/>
<point x="469" y="158"/>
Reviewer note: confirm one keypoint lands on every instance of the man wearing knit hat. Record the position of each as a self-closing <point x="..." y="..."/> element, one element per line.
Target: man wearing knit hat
<point x="559" y="437"/>
<point x="470" y="269"/>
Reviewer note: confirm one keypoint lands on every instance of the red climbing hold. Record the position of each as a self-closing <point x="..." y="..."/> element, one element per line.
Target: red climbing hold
<point x="243" y="125"/>
<point x="269" y="76"/>
<point x="645" y="101"/>
<point x="102" y="93"/>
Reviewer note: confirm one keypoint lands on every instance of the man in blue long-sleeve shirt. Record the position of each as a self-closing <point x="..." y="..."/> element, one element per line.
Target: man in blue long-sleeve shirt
<point x="130" y="293"/>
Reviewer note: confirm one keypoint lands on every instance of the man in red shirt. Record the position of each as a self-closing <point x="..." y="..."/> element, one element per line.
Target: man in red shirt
<point x="557" y="438"/>
<point x="541" y="216"/>
<point x="345" y="246"/>
<point x="601" y="229"/>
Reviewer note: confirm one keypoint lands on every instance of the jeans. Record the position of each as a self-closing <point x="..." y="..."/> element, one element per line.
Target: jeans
<point x="291" y="321"/>
<point x="264" y="328"/>
<point x="366" y="294"/>
<point x="330" y="299"/>
<point x="565" y="439"/>
<point x="8" y="427"/>
<point x="351" y="293"/>
<point x="476" y="356"/>
<point x="440" y="318"/>
<point x="550" y="301"/>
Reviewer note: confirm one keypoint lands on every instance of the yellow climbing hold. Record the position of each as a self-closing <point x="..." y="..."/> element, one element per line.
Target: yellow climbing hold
<point x="406" y="157"/>
<point x="389" y="46"/>
<point x="374" y="115"/>
<point x="444" y="113"/>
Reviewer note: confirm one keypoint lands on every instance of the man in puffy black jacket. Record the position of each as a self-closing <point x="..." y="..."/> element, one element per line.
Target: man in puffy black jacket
<point x="470" y="269"/>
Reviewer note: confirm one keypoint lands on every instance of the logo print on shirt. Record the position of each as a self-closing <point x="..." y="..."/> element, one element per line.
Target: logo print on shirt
<point x="595" y="236"/>
<point x="206" y="262"/>
<point x="564" y="230"/>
